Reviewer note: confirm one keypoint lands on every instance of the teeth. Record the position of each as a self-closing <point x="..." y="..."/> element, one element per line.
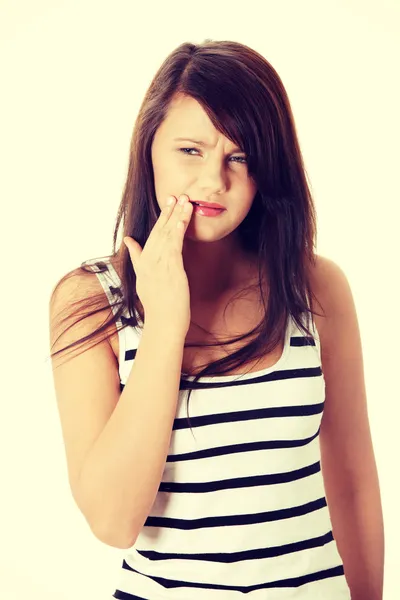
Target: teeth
<point x="204" y="205"/>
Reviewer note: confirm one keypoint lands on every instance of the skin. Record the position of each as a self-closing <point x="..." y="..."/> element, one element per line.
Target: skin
<point x="213" y="258"/>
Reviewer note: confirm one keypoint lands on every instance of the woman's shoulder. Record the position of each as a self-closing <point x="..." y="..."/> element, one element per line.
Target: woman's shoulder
<point x="328" y="284"/>
<point x="79" y="285"/>
<point x="326" y="279"/>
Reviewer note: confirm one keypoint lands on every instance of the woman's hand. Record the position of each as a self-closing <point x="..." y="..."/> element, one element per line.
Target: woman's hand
<point x="161" y="281"/>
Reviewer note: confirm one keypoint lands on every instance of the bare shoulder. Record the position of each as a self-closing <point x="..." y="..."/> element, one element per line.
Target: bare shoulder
<point x="335" y="301"/>
<point x="327" y="277"/>
<point x="75" y="294"/>
<point x="328" y="283"/>
<point x="77" y="280"/>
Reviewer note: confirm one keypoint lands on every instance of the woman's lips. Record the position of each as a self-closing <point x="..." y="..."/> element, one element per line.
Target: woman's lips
<point x="205" y="211"/>
<point x="208" y="204"/>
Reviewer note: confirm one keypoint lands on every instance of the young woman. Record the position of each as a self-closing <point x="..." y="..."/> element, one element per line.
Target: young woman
<point x="266" y="485"/>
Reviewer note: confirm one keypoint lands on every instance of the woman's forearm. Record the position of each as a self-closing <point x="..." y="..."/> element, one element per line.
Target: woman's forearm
<point x="359" y="534"/>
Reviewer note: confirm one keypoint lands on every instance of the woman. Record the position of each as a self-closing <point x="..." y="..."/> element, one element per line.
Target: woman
<point x="269" y="487"/>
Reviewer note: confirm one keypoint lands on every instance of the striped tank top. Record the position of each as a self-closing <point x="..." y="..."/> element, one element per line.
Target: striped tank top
<point x="241" y="506"/>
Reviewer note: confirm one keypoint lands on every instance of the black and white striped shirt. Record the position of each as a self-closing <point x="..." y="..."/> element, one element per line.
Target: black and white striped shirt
<point x="241" y="506"/>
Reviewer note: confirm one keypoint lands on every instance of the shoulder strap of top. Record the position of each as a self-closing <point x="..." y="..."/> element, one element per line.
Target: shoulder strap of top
<point x="109" y="279"/>
<point x="112" y="286"/>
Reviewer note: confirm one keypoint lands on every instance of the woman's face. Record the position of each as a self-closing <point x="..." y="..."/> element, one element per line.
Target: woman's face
<point x="215" y="172"/>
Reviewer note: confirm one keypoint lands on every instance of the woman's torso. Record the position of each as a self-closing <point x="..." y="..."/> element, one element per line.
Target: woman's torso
<point x="251" y="463"/>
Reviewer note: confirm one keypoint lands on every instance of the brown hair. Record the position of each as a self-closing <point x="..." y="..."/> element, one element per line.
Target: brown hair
<point x="245" y="99"/>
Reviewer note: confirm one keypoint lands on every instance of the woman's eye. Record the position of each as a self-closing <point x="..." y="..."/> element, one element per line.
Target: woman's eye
<point x="183" y="150"/>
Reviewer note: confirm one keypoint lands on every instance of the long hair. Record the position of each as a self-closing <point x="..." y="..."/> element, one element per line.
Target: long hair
<point x="245" y="99"/>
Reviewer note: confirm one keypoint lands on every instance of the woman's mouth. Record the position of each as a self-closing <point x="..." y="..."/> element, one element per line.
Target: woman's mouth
<point x="205" y="211"/>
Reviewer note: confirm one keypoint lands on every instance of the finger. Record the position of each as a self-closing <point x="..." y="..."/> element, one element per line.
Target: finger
<point x="183" y="219"/>
<point x="172" y="213"/>
<point x="167" y="210"/>
<point x="164" y="216"/>
<point x="134" y="249"/>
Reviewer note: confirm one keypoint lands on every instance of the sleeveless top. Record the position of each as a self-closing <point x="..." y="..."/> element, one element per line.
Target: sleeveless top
<point x="241" y="506"/>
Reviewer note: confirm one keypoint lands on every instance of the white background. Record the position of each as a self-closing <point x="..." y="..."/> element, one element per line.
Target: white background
<point x="73" y="75"/>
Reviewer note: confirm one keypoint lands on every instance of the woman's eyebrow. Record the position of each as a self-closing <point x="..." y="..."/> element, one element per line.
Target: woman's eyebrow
<point x="200" y="143"/>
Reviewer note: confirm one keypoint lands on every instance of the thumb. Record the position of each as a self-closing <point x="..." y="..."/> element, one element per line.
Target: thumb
<point x="134" y="249"/>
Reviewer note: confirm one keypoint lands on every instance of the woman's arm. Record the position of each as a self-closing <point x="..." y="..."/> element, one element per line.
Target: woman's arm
<point x="347" y="456"/>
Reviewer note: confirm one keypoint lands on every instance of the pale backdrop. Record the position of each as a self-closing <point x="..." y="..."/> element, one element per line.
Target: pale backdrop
<point x="72" y="77"/>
